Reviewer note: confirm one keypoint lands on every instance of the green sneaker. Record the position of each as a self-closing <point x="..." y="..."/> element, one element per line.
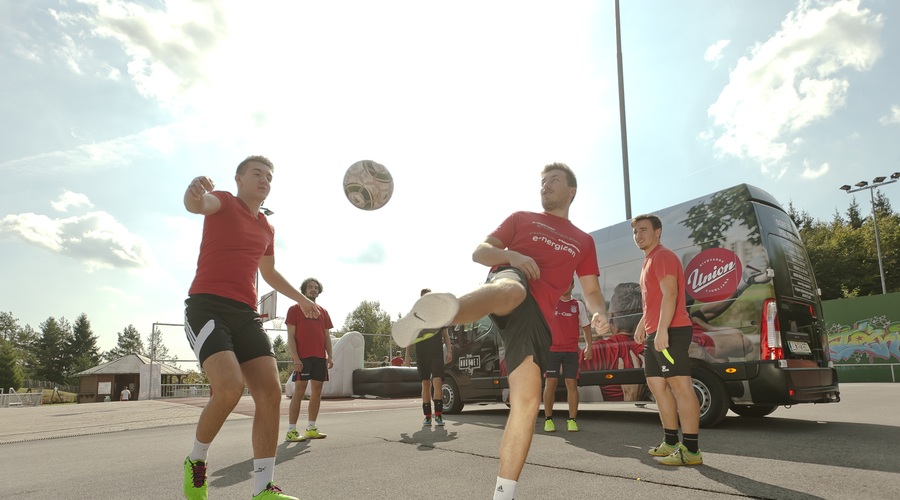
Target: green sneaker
<point x="294" y="437"/>
<point x="314" y="434"/>
<point x="681" y="456"/>
<point x="195" y="487"/>
<point x="663" y="450"/>
<point x="426" y="422"/>
<point x="571" y="425"/>
<point x="273" y="492"/>
<point x="439" y="420"/>
<point x="548" y="425"/>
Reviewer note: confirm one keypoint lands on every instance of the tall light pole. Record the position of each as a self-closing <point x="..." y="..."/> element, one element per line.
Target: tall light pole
<point x="861" y="185"/>
<point x="622" y="116"/>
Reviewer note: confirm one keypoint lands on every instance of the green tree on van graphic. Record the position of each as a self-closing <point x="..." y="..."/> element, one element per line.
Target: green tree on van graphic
<point x="711" y="219"/>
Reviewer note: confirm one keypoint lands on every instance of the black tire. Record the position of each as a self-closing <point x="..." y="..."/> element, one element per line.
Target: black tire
<point x="753" y="411"/>
<point x="453" y="402"/>
<point x="713" y="396"/>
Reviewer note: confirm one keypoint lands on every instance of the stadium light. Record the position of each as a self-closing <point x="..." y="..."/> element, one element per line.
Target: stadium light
<point x="877" y="182"/>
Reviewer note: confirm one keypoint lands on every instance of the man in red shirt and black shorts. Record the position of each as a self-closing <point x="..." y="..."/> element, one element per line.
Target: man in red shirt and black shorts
<point x="223" y="326"/>
<point x="666" y="327"/>
<point x="532" y="257"/>
<point x="309" y="342"/>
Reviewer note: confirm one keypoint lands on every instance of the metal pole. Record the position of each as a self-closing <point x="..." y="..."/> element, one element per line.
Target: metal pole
<point x="877" y="242"/>
<point x="622" y="116"/>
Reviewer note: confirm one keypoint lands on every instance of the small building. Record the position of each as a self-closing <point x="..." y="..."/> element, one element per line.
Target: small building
<point x="142" y="377"/>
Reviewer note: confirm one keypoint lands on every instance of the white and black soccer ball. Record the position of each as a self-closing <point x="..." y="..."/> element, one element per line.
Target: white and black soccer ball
<point x="368" y="185"/>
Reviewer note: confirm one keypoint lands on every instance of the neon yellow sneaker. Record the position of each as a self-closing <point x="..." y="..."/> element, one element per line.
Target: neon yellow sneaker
<point x="294" y="437"/>
<point x="195" y="487"/>
<point x="315" y="434"/>
<point x="548" y="425"/>
<point x="663" y="450"/>
<point x="571" y="425"/>
<point x="682" y="456"/>
<point x="273" y="492"/>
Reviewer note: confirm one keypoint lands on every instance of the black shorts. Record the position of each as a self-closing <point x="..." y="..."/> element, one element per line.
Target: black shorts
<point x="655" y="362"/>
<point x="430" y="357"/>
<point x="524" y="331"/>
<point x="213" y="324"/>
<point x="314" y="369"/>
<point x="562" y="365"/>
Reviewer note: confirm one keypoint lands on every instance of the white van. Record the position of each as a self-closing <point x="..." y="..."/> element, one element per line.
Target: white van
<point x="759" y="337"/>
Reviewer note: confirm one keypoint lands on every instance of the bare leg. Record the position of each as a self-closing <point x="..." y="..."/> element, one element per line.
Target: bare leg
<point x="261" y="376"/>
<point x="688" y="405"/>
<point x="296" y="402"/>
<point x="315" y="399"/>
<point x="437" y="386"/>
<point x="524" y="403"/>
<point x="497" y="297"/>
<point x="225" y="375"/>
<point x="572" y="396"/>
<point x="549" y="395"/>
<point x="665" y="400"/>
<point x="426" y="392"/>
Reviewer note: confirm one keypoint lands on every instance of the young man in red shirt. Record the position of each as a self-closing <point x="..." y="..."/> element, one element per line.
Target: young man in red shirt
<point x="223" y="326"/>
<point x="532" y="257"/>
<point x="571" y="319"/>
<point x="309" y="342"/>
<point x="666" y="327"/>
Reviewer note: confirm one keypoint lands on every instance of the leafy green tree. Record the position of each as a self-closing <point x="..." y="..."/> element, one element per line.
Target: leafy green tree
<point x="11" y="375"/>
<point x="854" y="217"/>
<point x="51" y="350"/>
<point x="9" y="326"/>
<point x="129" y="342"/>
<point x="82" y="351"/>
<point x="280" y="347"/>
<point x="368" y="318"/>
<point x="156" y="348"/>
<point x="711" y="219"/>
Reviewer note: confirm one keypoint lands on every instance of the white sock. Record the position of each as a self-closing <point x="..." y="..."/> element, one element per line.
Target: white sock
<point x="311" y="425"/>
<point x="200" y="451"/>
<point x="505" y="489"/>
<point x="292" y="427"/>
<point x="263" y="473"/>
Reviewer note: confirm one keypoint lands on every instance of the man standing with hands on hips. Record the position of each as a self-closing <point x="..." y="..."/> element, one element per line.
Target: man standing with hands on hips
<point x="666" y="328"/>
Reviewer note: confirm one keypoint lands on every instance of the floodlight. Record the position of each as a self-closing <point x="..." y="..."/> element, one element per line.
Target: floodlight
<point x="895" y="175"/>
<point x="861" y="184"/>
<point x="878" y="180"/>
<point x="845" y="187"/>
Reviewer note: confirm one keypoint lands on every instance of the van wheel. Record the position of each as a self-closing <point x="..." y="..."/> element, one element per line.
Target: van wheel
<point x="453" y="402"/>
<point x="712" y="395"/>
<point x="753" y="411"/>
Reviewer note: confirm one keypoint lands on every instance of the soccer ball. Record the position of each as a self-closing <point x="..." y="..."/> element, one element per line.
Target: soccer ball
<point x="368" y="185"/>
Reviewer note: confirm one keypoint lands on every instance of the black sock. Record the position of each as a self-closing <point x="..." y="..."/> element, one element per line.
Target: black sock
<point x="426" y="409"/>
<point x="691" y="442"/>
<point x="547" y="418"/>
<point x="438" y="406"/>
<point x="671" y="436"/>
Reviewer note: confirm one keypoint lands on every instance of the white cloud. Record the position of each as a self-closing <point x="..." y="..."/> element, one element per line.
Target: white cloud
<point x="71" y="200"/>
<point x="810" y="173"/>
<point x="97" y="238"/>
<point x="892" y="117"/>
<point x="793" y="79"/>
<point x="714" y="52"/>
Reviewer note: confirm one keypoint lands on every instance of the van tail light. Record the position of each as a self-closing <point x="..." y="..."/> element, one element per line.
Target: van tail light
<point x="770" y="333"/>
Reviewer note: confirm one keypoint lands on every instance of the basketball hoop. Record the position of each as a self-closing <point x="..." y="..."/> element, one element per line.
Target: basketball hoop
<point x="277" y="322"/>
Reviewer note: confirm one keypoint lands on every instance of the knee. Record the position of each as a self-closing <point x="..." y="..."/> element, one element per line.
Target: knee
<point x="229" y="391"/>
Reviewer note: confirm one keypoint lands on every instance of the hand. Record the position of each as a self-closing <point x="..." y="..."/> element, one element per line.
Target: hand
<point x="640" y="336"/>
<point x="298" y="366"/>
<point x="525" y="264"/>
<point x="600" y="324"/>
<point x="329" y="364"/>
<point x="200" y="186"/>
<point x="662" y="340"/>
<point x="588" y="353"/>
<point x="309" y="309"/>
<point x="448" y="357"/>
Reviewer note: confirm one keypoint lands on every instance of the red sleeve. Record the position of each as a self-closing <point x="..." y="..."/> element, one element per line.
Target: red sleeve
<point x="293" y="315"/>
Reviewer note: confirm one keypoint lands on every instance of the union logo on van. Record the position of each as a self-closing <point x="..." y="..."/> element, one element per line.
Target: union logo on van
<point x="713" y="275"/>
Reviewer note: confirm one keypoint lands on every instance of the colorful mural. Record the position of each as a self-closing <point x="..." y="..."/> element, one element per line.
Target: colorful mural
<point x="872" y="340"/>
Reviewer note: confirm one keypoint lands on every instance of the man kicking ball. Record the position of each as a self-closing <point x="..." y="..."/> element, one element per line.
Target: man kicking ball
<point x="532" y="257"/>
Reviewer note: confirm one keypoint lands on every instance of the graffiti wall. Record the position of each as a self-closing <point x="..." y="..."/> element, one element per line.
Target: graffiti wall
<point x="864" y="337"/>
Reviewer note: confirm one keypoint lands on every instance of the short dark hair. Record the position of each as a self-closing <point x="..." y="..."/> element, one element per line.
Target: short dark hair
<point x="625" y="306"/>
<point x="311" y="280"/>
<point x="571" y="181"/>
<point x="257" y="158"/>
<point x="654" y="220"/>
<point x="424" y="291"/>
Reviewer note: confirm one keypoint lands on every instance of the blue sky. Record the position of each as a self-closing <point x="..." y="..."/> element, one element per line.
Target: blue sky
<point x="111" y="108"/>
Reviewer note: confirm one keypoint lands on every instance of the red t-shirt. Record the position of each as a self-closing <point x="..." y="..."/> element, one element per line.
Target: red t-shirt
<point x="571" y="317"/>
<point x="700" y="337"/>
<point x="234" y="241"/>
<point x="397" y="361"/>
<point x="560" y="250"/>
<point x="310" y="334"/>
<point x="660" y="263"/>
<point x="607" y="354"/>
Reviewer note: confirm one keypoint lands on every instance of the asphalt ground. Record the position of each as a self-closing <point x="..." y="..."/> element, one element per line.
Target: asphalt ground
<point x="378" y="449"/>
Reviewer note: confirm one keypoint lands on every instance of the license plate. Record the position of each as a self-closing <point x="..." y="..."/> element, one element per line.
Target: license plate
<point x="799" y="347"/>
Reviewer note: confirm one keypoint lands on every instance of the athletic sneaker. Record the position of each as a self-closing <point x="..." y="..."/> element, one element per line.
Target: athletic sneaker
<point x="429" y="314"/>
<point x="427" y="421"/>
<point x="273" y="492"/>
<point x="195" y="487"/>
<point x="548" y="425"/>
<point x="439" y="420"/>
<point x="294" y="437"/>
<point x="663" y="450"/>
<point x="314" y="434"/>
<point x="571" y="425"/>
<point x="681" y="456"/>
